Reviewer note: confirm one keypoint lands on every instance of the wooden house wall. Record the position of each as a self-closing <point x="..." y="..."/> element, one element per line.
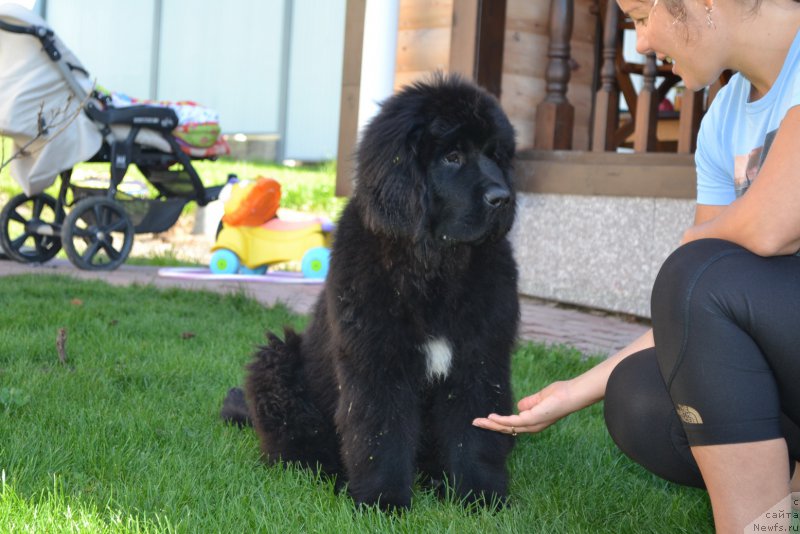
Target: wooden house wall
<point x="423" y="39"/>
<point x="424" y="46"/>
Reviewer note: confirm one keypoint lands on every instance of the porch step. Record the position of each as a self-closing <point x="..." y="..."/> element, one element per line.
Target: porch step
<point x="573" y="172"/>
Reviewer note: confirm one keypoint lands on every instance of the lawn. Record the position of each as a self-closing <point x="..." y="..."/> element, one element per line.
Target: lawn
<point x="123" y="435"/>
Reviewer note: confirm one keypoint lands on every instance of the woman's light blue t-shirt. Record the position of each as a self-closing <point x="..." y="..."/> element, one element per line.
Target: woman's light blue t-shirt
<point x="736" y="135"/>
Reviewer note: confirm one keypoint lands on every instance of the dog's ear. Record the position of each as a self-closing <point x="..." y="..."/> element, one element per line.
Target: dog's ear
<point x="391" y="182"/>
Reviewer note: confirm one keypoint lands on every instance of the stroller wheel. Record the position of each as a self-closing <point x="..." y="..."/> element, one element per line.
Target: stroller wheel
<point x="97" y="234"/>
<point x="28" y="228"/>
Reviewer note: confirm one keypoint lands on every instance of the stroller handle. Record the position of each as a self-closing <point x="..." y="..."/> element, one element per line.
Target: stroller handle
<point x="7" y="26"/>
<point x="45" y="35"/>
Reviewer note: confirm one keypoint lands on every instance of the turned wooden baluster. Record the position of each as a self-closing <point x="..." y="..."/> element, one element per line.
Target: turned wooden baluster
<point x="606" y="111"/>
<point x="689" y="123"/>
<point x="644" y="133"/>
<point x="555" y="115"/>
<point x="692" y="111"/>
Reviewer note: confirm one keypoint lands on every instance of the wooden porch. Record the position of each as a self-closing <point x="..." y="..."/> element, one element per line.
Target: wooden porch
<point x="605" y="165"/>
<point x="590" y="120"/>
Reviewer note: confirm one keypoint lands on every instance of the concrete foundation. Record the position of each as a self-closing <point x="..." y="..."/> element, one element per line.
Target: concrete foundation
<point x="596" y="251"/>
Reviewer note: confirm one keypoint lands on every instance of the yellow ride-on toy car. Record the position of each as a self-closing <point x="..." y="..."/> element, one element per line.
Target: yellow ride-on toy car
<point x="252" y="237"/>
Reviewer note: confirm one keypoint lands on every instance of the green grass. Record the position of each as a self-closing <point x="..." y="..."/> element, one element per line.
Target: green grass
<point x="166" y="259"/>
<point x="306" y="188"/>
<point x="124" y="436"/>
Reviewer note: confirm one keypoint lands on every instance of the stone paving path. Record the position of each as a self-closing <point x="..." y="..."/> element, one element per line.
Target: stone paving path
<point x="593" y="333"/>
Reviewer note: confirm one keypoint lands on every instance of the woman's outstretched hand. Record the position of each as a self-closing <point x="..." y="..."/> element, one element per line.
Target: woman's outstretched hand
<point x="559" y="399"/>
<point x="536" y="412"/>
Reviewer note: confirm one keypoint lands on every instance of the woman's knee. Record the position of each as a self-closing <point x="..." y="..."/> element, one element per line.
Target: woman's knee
<point x="682" y="269"/>
<point x="642" y="422"/>
<point x="629" y="402"/>
<point x="675" y="294"/>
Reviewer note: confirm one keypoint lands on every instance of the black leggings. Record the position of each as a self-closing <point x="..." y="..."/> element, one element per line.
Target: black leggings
<point x="726" y="367"/>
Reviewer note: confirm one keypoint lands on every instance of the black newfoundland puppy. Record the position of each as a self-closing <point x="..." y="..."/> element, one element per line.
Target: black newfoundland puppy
<point x="411" y="338"/>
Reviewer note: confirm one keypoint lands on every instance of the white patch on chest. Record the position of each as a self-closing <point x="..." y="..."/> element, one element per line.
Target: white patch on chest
<point x="439" y="355"/>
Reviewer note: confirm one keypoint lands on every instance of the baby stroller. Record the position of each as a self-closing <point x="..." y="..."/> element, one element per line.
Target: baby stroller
<point x="57" y="118"/>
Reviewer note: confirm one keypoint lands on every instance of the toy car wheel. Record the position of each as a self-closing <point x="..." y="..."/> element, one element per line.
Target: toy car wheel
<point x="261" y="269"/>
<point x="316" y="262"/>
<point x="28" y="228"/>
<point x="224" y="261"/>
<point x="97" y="234"/>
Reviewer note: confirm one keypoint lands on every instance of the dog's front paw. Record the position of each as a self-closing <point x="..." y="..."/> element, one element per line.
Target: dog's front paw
<point x="491" y="500"/>
<point x="474" y="497"/>
<point x="234" y="409"/>
<point x="387" y="501"/>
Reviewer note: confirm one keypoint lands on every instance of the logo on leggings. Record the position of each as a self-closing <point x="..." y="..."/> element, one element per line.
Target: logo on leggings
<point x="688" y="414"/>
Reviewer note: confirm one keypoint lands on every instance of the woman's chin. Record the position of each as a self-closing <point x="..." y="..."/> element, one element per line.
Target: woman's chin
<point x="694" y="85"/>
<point x="698" y="83"/>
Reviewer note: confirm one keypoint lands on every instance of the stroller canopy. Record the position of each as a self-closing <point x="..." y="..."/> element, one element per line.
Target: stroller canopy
<point x="37" y="105"/>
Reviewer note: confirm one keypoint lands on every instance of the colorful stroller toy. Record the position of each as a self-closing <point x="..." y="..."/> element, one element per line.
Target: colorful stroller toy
<point x="57" y="118"/>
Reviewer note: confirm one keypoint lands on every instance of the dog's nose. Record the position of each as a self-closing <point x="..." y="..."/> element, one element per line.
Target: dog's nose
<point x="496" y="196"/>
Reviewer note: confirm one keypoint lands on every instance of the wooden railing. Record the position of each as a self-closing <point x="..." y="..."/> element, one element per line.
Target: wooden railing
<point x="638" y="126"/>
<point x="555" y="116"/>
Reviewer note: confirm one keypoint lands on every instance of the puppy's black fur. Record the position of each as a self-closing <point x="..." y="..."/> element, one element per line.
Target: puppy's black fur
<point x="411" y="338"/>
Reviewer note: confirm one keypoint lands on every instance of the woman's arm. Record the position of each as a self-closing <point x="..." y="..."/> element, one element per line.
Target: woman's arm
<point x="590" y="387"/>
<point x="704" y="213"/>
<point x="766" y="220"/>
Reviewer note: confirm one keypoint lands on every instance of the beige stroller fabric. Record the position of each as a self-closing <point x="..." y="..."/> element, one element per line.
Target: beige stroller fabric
<point x="32" y="91"/>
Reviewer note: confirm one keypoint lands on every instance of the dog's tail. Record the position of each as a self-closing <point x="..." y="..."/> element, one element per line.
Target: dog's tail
<point x="289" y="424"/>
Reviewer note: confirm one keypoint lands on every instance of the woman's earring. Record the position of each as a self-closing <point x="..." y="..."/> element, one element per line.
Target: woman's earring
<point x="709" y="22"/>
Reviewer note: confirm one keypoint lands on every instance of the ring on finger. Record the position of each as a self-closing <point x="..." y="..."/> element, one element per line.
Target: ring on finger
<point x="513" y="431"/>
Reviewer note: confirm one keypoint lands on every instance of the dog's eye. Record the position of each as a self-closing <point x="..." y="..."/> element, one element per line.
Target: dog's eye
<point x="493" y="152"/>
<point x="453" y="157"/>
